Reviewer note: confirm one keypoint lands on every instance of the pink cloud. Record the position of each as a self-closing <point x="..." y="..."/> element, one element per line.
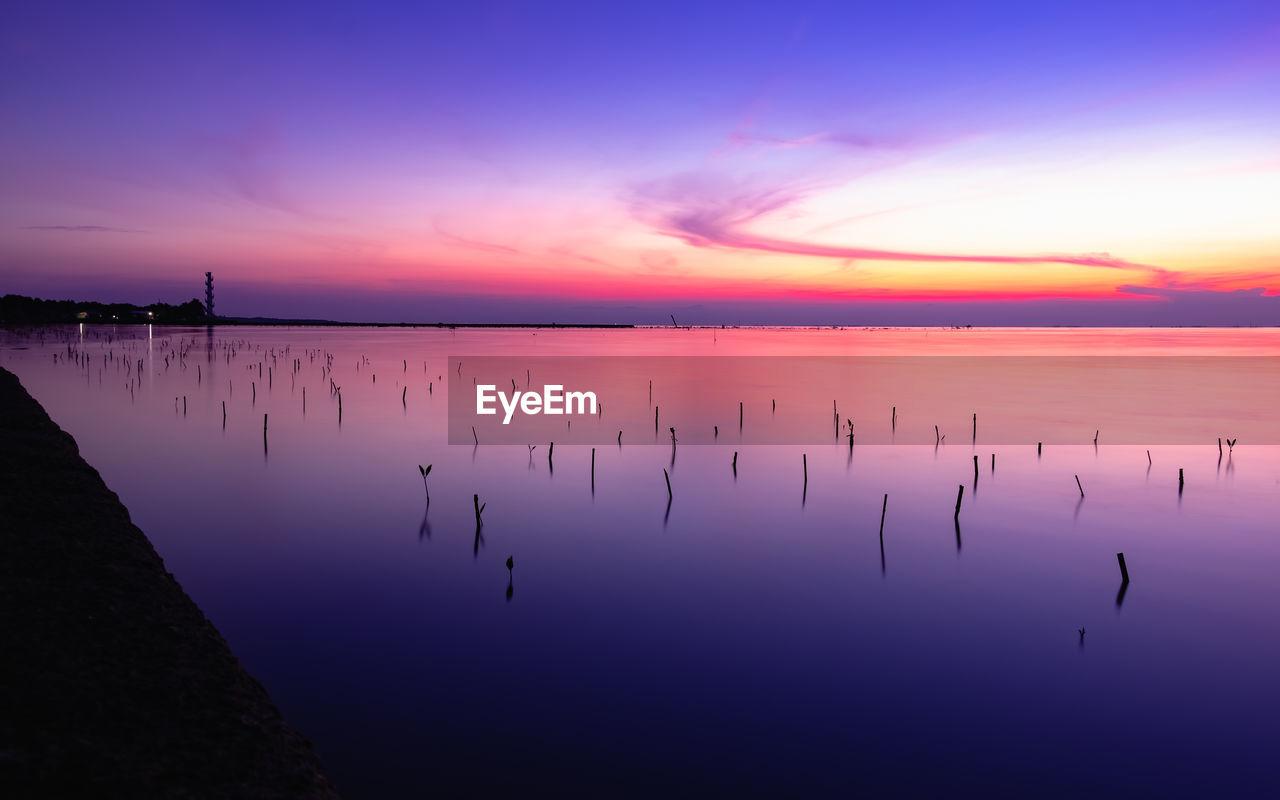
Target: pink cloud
<point x="696" y="213"/>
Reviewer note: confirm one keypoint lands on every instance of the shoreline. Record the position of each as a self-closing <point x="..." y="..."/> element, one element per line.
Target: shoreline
<point x="116" y="683"/>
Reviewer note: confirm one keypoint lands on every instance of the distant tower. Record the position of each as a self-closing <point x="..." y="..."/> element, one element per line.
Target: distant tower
<point x="208" y="294"/>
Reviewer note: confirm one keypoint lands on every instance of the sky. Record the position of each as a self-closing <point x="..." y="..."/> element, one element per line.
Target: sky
<point x="728" y="163"/>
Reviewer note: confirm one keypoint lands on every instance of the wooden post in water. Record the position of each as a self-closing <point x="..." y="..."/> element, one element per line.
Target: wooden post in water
<point x="475" y="500"/>
<point x="893" y="421"/>
<point x="993" y="463"/>
<point x="883" y="508"/>
<point x="593" y="469"/>
<point x="1039" y="448"/>
<point x="668" y="479"/>
<point x="735" y="462"/>
<point x="404" y="392"/>
<point x="739" y="415"/>
<point x="959" y="497"/>
<point x="1078" y="486"/>
<point x="975" y="428"/>
<point x="224" y="413"/>
<point x="550" y="450"/>
<point x="805" y="463"/>
<point x="1179" y="480"/>
<point x="937" y="437"/>
<point x="655" y="420"/>
<point x="1124" y="571"/>
<point x="975" y="472"/>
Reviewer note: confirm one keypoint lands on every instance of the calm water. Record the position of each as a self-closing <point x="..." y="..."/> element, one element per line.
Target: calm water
<point x="752" y="637"/>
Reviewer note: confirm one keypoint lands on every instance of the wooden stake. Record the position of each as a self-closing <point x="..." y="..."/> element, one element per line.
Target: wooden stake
<point x="883" y="508"/>
<point x="668" y="479"/>
<point x="959" y="497"/>
<point x="1078" y="486"/>
<point x="1124" y="571"/>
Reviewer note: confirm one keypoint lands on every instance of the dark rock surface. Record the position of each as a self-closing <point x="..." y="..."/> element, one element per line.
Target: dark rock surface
<point x="112" y="682"/>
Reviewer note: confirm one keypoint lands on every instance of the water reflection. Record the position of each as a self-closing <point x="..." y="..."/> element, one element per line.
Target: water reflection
<point x="640" y="648"/>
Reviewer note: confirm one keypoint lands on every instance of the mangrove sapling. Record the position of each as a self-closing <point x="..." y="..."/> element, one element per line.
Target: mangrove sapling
<point x="425" y="471"/>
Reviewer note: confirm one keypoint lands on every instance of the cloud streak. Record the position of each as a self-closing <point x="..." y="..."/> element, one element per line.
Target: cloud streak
<point x="488" y="247"/>
<point x="79" y="229"/>
<point x="687" y="212"/>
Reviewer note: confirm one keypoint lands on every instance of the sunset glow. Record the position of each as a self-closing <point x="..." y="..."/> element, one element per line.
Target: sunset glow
<point x="734" y="165"/>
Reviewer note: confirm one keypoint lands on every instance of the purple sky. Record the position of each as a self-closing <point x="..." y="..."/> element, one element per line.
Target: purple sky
<point x="807" y="163"/>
